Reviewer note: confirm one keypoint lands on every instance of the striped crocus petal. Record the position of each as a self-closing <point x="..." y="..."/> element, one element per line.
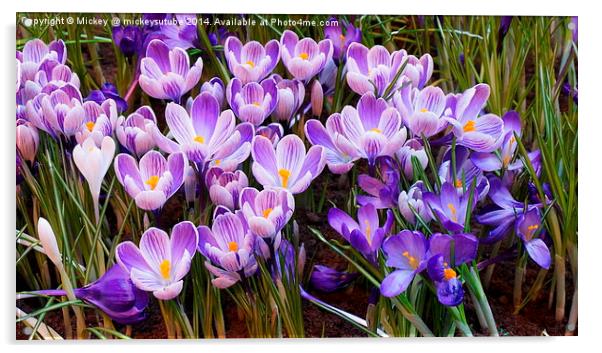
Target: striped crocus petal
<point x="251" y="62"/>
<point x="304" y="58"/>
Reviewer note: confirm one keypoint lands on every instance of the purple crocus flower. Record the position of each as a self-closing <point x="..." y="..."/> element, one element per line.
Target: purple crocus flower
<point x="340" y="152"/>
<point x="326" y="279"/>
<point x="53" y="75"/>
<point x="161" y="262"/>
<point x="479" y="133"/>
<point x="449" y="207"/>
<point x="181" y="32"/>
<point x="289" y="166"/>
<point x="251" y="62"/>
<point x="136" y="131"/>
<point x="291" y="94"/>
<point x="304" y="58"/>
<point x="225" y="187"/>
<point x="406" y="252"/>
<point x="383" y="192"/>
<point x="374" y="69"/>
<point x="504" y="217"/>
<point x="114" y="294"/>
<point x="422" y="110"/>
<point x="527" y="226"/>
<point x="272" y="132"/>
<point x="58" y="113"/>
<point x="166" y="74"/>
<point x="505" y="22"/>
<point x="108" y="91"/>
<point x="252" y="102"/>
<point x="342" y="35"/>
<point x="374" y="128"/>
<point x="574" y="28"/>
<point x="27" y="139"/>
<point x="412" y="148"/>
<point x="411" y="203"/>
<point x="366" y="235"/>
<point x="152" y="181"/>
<point x="99" y="121"/>
<point x="36" y="53"/>
<point x="228" y="246"/>
<point x="206" y="136"/>
<point x="128" y="39"/>
<point x="267" y="212"/>
<point x="448" y="286"/>
<point x="216" y="87"/>
<point x="467" y="173"/>
<point x="490" y="162"/>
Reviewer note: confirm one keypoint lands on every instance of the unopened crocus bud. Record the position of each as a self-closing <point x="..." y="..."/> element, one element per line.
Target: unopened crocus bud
<point x="27" y="140"/>
<point x="190" y="184"/>
<point x="326" y="279"/>
<point x="48" y="241"/>
<point x="317" y="98"/>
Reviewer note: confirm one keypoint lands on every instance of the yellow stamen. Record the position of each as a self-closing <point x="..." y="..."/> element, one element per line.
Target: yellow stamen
<point x="506" y="161"/>
<point x="411" y="259"/>
<point x="165" y="269"/>
<point x="377" y="130"/>
<point x="458" y="183"/>
<point x="469" y="126"/>
<point x="266" y="212"/>
<point x="532" y="229"/>
<point x="449" y="273"/>
<point x="284" y="175"/>
<point x="304" y="56"/>
<point x="342" y="37"/>
<point x="251" y="63"/>
<point x="218" y="161"/>
<point x="454" y="212"/>
<point x="233" y="246"/>
<point x="152" y="182"/>
<point x="368" y="230"/>
<point x="424" y="110"/>
<point x="199" y="139"/>
<point x="257" y="104"/>
<point x="90" y="126"/>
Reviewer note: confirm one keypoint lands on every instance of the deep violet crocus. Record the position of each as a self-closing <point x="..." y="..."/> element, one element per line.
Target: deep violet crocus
<point x="108" y="91"/>
<point x="406" y="252"/>
<point x="326" y="279"/>
<point x="466" y="171"/>
<point x="252" y="102"/>
<point x="180" y="31"/>
<point x="342" y="35"/>
<point x="340" y="152"/>
<point x="528" y="225"/>
<point x="374" y="128"/>
<point x="166" y="74"/>
<point x="128" y="39"/>
<point x="229" y="247"/>
<point x="449" y="207"/>
<point x="267" y="212"/>
<point x="114" y="294"/>
<point x="251" y="62"/>
<point x="304" y="58"/>
<point x="153" y="180"/>
<point x="289" y="166"/>
<point x="205" y="135"/>
<point x="225" y="187"/>
<point x="480" y="133"/>
<point x="136" y="131"/>
<point x="161" y="262"/>
<point x="366" y="234"/>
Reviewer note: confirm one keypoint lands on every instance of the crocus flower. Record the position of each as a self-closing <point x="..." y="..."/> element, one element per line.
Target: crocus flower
<point x="190" y="185"/>
<point x="383" y="192"/>
<point x="504" y="217"/>
<point x="467" y="173"/>
<point x="422" y="110"/>
<point x="93" y="162"/>
<point x="505" y="22"/>
<point x="136" y="131"/>
<point x="57" y="113"/>
<point x="411" y="203"/>
<point x="114" y="294"/>
<point x="48" y="242"/>
<point x="216" y="87"/>
<point x="27" y="140"/>
<point x="225" y="187"/>
<point x="267" y="212"/>
<point x="406" y="252"/>
<point x="251" y="62"/>
<point x="228" y="246"/>
<point x="161" y="261"/>
<point x="36" y="52"/>
<point x="272" y="132"/>
<point x="449" y="207"/>
<point x="528" y="225"/>
<point x="128" y="39"/>
<point x="340" y="152"/>
<point x="99" y="121"/>
<point x="366" y="235"/>
<point x="374" y="128"/>
<point x="53" y="75"/>
<point x="574" y="28"/>
<point x="108" y="91"/>
<point x="304" y="58"/>
<point x="290" y="97"/>
<point x="375" y="69"/>
<point x="181" y="32"/>
<point x="479" y="133"/>
<point x="152" y="181"/>
<point x="342" y="35"/>
<point x="491" y="161"/>
<point x="289" y="166"/>
<point x="206" y="136"/>
<point x="166" y="74"/>
<point x="326" y="279"/>
<point x="411" y="148"/>
<point x="317" y="98"/>
<point x="448" y="286"/>
<point x="252" y="102"/>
